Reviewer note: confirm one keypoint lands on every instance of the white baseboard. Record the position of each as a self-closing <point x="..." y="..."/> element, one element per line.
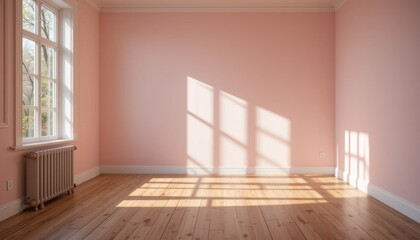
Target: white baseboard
<point x="87" y="175"/>
<point x="142" y="170"/>
<point x="359" y="183"/>
<point x="14" y="207"/>
<point x="211" y="170"/>
<point x="403" y="206"/>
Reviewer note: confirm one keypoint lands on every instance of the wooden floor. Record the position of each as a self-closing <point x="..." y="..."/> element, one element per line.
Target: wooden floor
<point x="212" y="207"/>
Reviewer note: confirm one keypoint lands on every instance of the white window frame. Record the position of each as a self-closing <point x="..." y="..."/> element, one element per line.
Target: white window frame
<point x="4" y="121"/>
<point x="66" y="74"/>
<point x="39" y="40"/>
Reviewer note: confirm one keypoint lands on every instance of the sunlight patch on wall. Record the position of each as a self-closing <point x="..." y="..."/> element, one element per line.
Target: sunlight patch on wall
<point x="346" y="151"/>
<point x="272" y="139"/>
<point x="200" y="133"/>
<point x="234" y="132"/>
<point x="364" y="156"/>
<point x="200" y="100"/>
<point x="199" y="143"/>
<point x="218" y="132"/>
<point x="356" y="157"/>
<point x="234" y="117"/>
<point x="353" y="153"/>
<point x="273" y="124"/>
<point x="232" y="154"/>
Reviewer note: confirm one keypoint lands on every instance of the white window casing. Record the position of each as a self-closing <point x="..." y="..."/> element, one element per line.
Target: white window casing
<point x="66" y="46"/>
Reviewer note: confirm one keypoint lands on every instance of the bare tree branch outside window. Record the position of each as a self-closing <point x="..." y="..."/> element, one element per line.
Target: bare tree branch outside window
<point x="31" y="15"/>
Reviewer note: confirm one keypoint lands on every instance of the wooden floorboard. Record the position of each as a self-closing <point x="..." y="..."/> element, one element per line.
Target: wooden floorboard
<point x="212" y="207"/>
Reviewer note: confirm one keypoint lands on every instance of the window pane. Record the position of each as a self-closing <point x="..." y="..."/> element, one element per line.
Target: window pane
<point x="47" y="93"/>
<point x="29" y="90"/>
<point x="48" y="62"/>
<point x="28" y="122"/>
<point x="29" y="15"/>
<point x="48" y="116"/>
<point x="29" y="56"/>
<point x="48" y="20"/>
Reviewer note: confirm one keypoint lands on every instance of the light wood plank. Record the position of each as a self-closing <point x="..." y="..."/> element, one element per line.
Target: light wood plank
<point x="212" y="207"/>
<point x="248" y="211"/>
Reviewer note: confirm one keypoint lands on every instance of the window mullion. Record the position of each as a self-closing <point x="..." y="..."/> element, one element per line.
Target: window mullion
<point x="49" y="43"/>
<point x="29" y="74"/>
<point x="30" y="35"/>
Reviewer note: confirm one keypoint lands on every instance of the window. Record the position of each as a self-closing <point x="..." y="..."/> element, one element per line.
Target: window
<point x="39" y="71"/>
<point x="45" y="70"/>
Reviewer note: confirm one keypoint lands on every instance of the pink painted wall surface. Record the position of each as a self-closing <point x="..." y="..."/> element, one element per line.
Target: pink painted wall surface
<point x="217" y="89"/>
<point x="87" y="155"/>
<point x="378" y="93"/>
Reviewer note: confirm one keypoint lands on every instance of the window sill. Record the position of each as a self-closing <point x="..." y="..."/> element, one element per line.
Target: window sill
<point x="27" y="146"/>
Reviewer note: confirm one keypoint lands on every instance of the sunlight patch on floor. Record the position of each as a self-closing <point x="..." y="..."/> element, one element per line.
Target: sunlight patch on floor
<point x="228" y="191"/>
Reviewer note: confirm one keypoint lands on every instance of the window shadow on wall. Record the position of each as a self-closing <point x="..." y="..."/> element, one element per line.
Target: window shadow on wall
<point x="229" y="134"/>
<point x="356" y="159"/>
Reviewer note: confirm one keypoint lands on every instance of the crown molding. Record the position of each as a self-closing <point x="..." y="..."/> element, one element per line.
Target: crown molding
<point x="116" y="9"/>
<point x="279" y="7"/>
<point x="220" y="7"/>
<point x="96" y="4"/>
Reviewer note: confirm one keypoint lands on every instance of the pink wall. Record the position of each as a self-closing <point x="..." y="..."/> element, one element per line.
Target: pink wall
<point x="378" y="93"/>
<point x="87" y="155"/>
<point x="217" y="89"/>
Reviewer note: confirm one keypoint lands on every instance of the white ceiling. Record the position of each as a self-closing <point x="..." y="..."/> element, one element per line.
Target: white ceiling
<point x="216" y="5"/>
